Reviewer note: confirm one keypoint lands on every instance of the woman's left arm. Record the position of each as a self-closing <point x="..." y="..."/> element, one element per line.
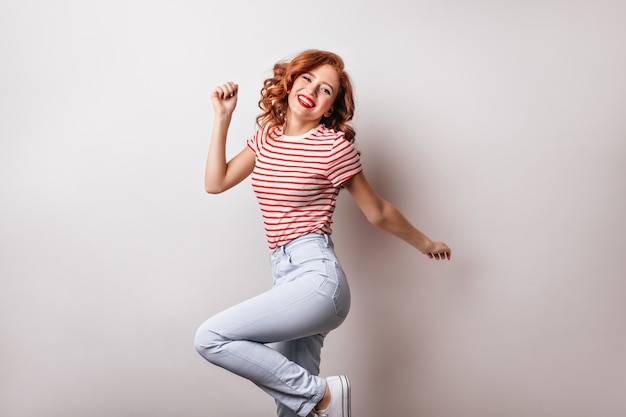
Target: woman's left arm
<point x="384" y="215"/>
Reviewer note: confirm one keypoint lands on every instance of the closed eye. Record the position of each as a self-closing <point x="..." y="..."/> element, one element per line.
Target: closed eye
<point x="309" y="79"/>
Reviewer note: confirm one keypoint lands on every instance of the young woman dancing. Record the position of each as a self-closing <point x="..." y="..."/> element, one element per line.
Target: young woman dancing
<point x="300" y="156"/>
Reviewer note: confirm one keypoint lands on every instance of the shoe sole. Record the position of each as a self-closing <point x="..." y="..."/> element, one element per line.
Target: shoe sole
<point x="345" y="388"/>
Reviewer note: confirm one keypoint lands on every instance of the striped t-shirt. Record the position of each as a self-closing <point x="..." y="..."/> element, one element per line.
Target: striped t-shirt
<point x="296" y="180"/>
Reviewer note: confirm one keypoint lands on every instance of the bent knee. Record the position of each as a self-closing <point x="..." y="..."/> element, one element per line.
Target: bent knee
<point x="207" y="342"/>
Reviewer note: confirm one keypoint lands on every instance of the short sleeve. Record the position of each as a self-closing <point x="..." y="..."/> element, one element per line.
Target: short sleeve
<point x="344" y="162"/>
<point x="253" y="142"/>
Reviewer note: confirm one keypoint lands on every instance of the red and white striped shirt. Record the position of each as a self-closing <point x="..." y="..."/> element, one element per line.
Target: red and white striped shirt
<point x="296" y="180"/>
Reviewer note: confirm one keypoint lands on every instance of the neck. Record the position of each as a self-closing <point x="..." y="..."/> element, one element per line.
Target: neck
<point x="295" y="128"/>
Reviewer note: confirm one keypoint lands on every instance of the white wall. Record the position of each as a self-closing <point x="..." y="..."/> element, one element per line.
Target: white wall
<point x="495" y="126"/>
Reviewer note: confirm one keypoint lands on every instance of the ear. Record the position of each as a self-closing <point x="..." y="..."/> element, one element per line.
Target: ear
<point x="329" y="112"/>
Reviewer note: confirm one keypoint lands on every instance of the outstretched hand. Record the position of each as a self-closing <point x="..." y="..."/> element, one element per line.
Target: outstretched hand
<point x="224" y="98"/>
<point x="439" y="251"/>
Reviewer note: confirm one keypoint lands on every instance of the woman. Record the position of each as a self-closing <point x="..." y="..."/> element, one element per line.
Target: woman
<point x="300" y="157"/>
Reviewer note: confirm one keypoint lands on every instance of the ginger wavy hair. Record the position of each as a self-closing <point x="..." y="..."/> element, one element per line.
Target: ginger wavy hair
<point x="276" y="89"/>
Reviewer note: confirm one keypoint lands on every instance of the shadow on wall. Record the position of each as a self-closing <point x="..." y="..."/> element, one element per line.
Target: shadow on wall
<point x="387" y="327"/>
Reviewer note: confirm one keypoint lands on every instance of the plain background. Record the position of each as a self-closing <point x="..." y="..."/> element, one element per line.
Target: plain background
<point x="496" y="126"/>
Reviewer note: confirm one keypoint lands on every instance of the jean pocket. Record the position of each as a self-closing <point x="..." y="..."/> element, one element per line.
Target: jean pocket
<point x="341" y="295"/>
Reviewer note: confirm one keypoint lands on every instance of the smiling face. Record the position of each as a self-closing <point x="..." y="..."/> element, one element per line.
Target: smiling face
<point x="312" y="97"/>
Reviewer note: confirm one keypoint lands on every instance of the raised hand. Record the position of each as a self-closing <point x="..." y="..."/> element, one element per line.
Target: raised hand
<point x="224" y="98"/>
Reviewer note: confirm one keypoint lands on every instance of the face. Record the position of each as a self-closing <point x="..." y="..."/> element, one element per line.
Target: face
<point x="313" y="94"/>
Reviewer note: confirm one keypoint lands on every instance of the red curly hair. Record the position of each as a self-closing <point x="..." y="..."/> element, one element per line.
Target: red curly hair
<point x="275" y="90"/>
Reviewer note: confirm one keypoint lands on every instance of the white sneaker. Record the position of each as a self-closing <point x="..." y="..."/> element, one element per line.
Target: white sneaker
<point x="339" y="387"/>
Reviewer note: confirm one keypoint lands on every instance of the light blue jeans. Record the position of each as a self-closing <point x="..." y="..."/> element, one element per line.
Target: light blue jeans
<point x="275" y="339"/>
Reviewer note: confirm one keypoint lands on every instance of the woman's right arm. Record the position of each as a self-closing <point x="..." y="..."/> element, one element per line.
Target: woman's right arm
<point x="219" y="174"/>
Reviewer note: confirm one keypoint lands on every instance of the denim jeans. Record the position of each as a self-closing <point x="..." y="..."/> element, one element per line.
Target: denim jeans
<point x="275" y="338"/>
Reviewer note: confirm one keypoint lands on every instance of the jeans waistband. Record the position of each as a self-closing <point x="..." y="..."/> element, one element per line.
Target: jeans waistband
<point x="300" y="240"/>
